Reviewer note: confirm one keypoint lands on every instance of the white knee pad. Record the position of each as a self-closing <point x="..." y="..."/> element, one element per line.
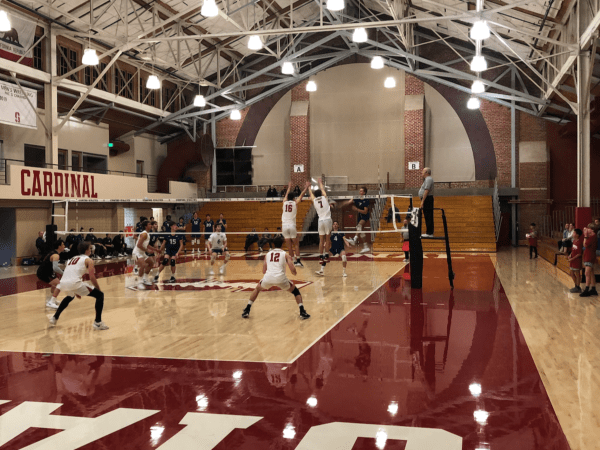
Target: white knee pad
<point x="359" y="228"/>
<point x="344" y="258"/>
<point x="227" y="257"/>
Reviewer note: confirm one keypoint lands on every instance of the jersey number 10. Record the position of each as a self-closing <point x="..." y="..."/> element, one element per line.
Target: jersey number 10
<point x="274" y="257"/>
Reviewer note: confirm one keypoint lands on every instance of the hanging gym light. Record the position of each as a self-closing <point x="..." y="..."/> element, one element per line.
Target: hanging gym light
<point x="287" y="68"/>
<point x="199" y="101"/>
<point x="335" y="5"/>
<point x="473" y="103"/>
<point x="377" y="62"/>
<point x="478" y="64"/>
<point x="311" y="86"/>
<point x="254" y="43"/>
<point x="153" y="82"/>
<point x="90" y="58"/>
<point x="359" y="35"/>
<point x="235" y="114"/>
<point x="209" y="8"/>
<point x="480" y="30"/>
<point x="478" y="87"/>
<point x="4" y="22"/>
<point x="390" y="82"/>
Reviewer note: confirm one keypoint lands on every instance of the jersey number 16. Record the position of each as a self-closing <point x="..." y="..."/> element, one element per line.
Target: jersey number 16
<point x="288" y="208"/>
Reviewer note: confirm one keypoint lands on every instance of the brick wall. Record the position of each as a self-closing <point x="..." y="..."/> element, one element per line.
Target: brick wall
<point x="300" y="137"/>
<point x="414" y="130"/>
<point x="497" y="119"/>
<point x="227" y="130"/>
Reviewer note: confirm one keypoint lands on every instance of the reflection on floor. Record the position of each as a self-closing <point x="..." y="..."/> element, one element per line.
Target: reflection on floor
<point x="410" y="362"/>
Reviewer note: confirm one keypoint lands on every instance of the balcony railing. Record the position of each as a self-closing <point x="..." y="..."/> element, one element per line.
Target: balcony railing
<point x="6" y="163"/>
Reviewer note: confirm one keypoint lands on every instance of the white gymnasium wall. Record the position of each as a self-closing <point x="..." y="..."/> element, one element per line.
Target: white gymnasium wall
<point x="448" y="149"/>
<point x="357" y="125"/>
<point x="271" y="157"/>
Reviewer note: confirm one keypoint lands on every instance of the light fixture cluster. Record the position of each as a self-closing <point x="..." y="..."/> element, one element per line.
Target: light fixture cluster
<point x="479" y="32"/>
<point x="4" y="22"/>
<point x="378" y="63"/>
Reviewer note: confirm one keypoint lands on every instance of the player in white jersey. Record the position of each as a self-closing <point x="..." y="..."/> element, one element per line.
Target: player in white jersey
<point x="72" y="284"/>
<point x="143" y="262"/>
<point x="288" y="222"/>
<point x="321" y="203"/>
<point x="217" y="244"/>
<point x="274" y="268"/>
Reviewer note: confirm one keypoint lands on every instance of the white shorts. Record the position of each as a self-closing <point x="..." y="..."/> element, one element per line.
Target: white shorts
<point x="325" y="226"/>
<point x="79" y="288"/>
<point x="281" y="282"/>
<point x="289" y="231"/>
<point x="137" y="253"/>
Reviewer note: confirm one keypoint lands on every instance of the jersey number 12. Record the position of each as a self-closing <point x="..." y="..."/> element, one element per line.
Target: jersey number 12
<point x="274" y="257"/>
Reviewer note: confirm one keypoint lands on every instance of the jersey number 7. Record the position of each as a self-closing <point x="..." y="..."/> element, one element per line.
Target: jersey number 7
<point x="321" y="203"/>
<point x="274" y="257"/>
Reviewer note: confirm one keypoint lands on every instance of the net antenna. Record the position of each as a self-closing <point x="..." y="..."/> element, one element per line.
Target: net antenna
<point x="392" y="197"/>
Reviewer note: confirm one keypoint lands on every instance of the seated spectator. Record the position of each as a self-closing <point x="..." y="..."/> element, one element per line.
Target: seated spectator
<point x="250" y="239"/>
<point x="40" y="244"/>
<point x="272" y="192"/>
<point x="283" y="192"/>
<point x="265" y="239"/>
<point x="80" y="235"/>
<point x="297" y="191"/>
<point x="166" y="223"/>
<point x="70" y="245"/>
<point x="398" y="219"/>
<point x="566" y="242"/>
<point x="100" y="250"/>
<point x="108" y="245"/>
<point x="278" y="234"/>
<point x="119" y="244"/>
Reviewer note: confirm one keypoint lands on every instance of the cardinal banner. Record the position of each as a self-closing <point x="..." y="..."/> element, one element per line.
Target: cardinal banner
<point x="15" y="42"/>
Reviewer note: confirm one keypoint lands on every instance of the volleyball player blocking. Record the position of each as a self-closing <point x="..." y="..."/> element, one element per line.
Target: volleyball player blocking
<point x="321" y="204"/>
<point x="288" y="222"/>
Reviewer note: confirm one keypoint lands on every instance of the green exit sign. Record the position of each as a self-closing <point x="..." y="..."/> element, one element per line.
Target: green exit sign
<point x="110" y="145"/>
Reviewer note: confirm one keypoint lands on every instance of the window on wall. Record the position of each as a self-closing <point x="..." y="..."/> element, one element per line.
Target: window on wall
<point x="234" y="166"/>
<point x="76" y="161"/>
<point x="38" y="51"/>
<point x="94" y="163"/>
<point x="168" y="99"/>
<point x="124" y="83"/>
<point x="35" y="156"/>
<point x="91" y="74"/>
<point x="147" y="96"/>
<point x="68" y="59"/>
<point x="63" y="158"/>
<point x="139" y="168"/>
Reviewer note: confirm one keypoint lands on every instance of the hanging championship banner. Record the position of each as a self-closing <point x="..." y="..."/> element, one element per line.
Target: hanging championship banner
<point x="14" y="107"/>
<point x="15" y="42"/>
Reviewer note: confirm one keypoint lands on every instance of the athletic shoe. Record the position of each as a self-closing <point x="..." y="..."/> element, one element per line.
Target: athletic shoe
<point x="304" y="315"/>
<point x="246" y="312"/>
<point x="295" y="263"/>
<point x="585" y="293"/>
<point x="211" y="272"/>
<point x="320" y="273"/>
<point x="172" y="280"/>
<point x="51" y="303"/>
<point x="355" y="239"/>
<point x="147" y="282"/>
<point x="222" y="270"/>
<point x="122" y="255"/>
<point x="349" y="241"/>
<point x="136" y="270"/>
<point x="99" y="326"/>
<point x="344" y="274"/>
<point x="425" y="235"/>
<point x="594" y="292"/>
<point x="365" y="250"/>
<point x="133" y="287"/>
<point x="52" y="321"/>
<point x="575" y="290"/>
<point x="156" y="278"/>
<point x="299" y="263"/>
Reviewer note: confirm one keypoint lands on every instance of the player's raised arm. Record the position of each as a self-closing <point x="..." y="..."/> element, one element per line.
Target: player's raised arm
<point x="287" y="192"/>
<point x="312" y="196"/>
<point x="301" y="196"/>
<point x="92" y="272"/>
<point x="290" y="263"/>
<point x="322" y="188"/>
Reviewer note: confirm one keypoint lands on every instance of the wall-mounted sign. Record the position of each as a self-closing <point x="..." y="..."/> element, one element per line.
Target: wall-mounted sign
<point x="14" y="107"/>
<point x="413" y="165"/>
<point x="298" y="168"/>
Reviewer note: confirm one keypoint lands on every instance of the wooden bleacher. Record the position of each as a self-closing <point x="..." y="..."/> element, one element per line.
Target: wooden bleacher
<point x="548" y="250"/>
<point x="243" y="216"/>
<point x="470" y="225"/>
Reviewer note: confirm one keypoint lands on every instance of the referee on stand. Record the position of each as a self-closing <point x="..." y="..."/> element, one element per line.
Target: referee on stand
<point x="426" y="196"/>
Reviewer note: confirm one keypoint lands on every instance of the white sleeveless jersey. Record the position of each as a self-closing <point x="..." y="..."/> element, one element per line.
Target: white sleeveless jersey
<point x="146" y="242"/>
<point x="217" y="240"/>
<point x="276" y="263"/>
<point x="322" y="207"/>
<point x="74" y="270"/>
<point x="289" y="213"/>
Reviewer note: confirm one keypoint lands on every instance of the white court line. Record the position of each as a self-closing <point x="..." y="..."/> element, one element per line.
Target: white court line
<point x="342" y="318"/>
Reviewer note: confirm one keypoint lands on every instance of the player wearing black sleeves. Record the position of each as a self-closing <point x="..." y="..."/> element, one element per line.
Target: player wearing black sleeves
<point x="196" y="222"/>
<point x="153" y="255"/>
<point x="173" y="246"/>
<point x="338" y="246"/>
<point x="209" y="228"/>
<point x="361" y="206"/>
<point x="48" y="270"/>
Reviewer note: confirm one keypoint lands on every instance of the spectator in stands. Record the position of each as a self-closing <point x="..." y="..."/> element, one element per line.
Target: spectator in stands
<point x="40" y="244"/>
<point x="80" y="235"/>
<point x="389" y="217"/>
<point x="108" y="245"/>
<point x="165" y="225"/>
<point x="119" y="244"/>
<point x="181" y="229"/>
<point x="100" y="250"/>
<point x="532" y="236"/>
<point x="70" y="246"/>
<point x="575" y="260"/>
<point x="250" y="239"/>
<point x="222" y="222"/>
<point x="138" y="226"/>
<point x="567" y="241"/>
<point x="278" y="234"/>
<point x="272" y="192"/>
<point x="283" y="192"/>
<point x="590" y="245"/>
<point x="426" y="196"/>
<point x="265" y="239"/>
<point x="297" y="191"/>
